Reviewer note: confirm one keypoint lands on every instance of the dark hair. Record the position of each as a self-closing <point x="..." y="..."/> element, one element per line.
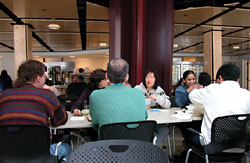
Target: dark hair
<point x="228" y="72"/>
<point x="28" y="71"/>
<point x="80" y="78"/>
<point x="117" y="70"/>
<point x="204" y="79"/>
<point x="81" y="70"/>
<point x="4" y="73"/>
<point x="95" y="78"/>
<point x="186" y="73"/>
<point x="179" y="82"/>
<point x="156" y="78"/>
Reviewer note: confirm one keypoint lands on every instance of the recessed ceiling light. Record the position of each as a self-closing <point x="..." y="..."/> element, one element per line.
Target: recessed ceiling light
<point x="72" y="56"/>
<point x="175" y="45"/>
<point x="54" y="26"/>
<point x="236" y="47"/>
<point x="102" y="44"/>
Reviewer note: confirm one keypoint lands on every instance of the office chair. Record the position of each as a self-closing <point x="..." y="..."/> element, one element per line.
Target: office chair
<point x="138" y="130"/>
<point x="25" y="143"/>
<point x="227" y="132"/>
<point x="133" y="151"/>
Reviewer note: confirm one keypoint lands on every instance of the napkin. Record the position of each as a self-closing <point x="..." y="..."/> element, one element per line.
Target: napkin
<point x="77" y="118"/>
<point x="181" y="115"/>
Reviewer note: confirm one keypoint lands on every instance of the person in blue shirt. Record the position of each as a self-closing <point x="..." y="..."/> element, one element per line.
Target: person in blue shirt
<point x="182" y="92"/>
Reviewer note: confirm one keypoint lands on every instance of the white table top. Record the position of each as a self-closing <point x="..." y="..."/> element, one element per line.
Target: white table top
<point x="162" y="116"/>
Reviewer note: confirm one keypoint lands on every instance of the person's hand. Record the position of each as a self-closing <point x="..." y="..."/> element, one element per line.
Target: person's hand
<point x="190" y="88"/>
<point x="200" y="86"/>
<point x="77" y="112"/>
<point x="152" y="97"/>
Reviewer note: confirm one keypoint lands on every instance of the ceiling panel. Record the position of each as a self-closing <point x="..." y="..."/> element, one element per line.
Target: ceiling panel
<point x="97" y="26"/>
<point x="5" y="25"/>
<point x="244" y="33"/>
<point x="196" y="15"/>
<point x="94" y="40"/>
<point x="65" y="25"/>
<point x="42" y="8"/>
<point x="3" y="15"/>
<point x="97" y="12"/>
<point x="232" y="18"/>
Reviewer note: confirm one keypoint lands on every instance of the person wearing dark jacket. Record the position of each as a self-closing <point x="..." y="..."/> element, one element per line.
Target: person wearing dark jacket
<point x="5" y="80"/>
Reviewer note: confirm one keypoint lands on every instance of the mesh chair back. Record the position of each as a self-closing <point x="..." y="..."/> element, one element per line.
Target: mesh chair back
<point x="24" y="140"/>
<point x="228" y="132"/>
<point x="135" y="151"/>
<point x="68" y="100"/>
<point x="139" y="130"/>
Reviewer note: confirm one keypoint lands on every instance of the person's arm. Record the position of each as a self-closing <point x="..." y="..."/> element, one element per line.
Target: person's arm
<point x="80" y="102"/>
<point x="181" y="97"/>
<point x="60" y="116"/>
<point x="161" y="98"/>
<point x="200" y="96"/>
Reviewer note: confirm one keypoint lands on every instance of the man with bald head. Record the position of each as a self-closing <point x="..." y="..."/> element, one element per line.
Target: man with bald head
<point x="117" y="102"/>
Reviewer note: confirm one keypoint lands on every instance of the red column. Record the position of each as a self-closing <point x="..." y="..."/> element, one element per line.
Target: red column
<point x="145" y="39"/>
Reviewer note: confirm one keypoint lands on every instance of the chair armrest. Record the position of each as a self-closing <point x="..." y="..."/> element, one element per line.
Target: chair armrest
<point x="194" y="131"/>
<point x="202" y="138"/>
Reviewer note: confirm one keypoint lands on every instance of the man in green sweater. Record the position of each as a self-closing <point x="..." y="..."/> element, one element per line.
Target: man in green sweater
<point x="117" y="102"/>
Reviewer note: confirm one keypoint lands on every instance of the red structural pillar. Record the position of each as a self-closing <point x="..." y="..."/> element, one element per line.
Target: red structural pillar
<point x="141" y="32"/>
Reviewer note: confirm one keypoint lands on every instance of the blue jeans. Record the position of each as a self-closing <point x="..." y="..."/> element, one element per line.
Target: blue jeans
<point x="63" y="151"/>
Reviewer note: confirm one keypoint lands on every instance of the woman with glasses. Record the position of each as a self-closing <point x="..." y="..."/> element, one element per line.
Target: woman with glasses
<point x="157" y="98"/>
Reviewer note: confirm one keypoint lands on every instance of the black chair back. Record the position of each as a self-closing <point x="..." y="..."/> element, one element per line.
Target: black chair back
<point x="134" y="151"/>
<point x="228" y="132"/>
<point x="138" y="130"/>
<point x="67" y="100"/>
<point x="20" y="142"/>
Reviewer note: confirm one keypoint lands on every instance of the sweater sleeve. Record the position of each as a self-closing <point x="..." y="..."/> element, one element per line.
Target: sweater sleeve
<point x="181" y="97"/>
<point x="80" y="102"/>
<point x="60" y="116"/>
<point x="162" y="99"/>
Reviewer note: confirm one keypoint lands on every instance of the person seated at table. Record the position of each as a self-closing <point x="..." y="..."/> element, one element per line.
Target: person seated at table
<point x="182" y="92"/>
<point x="117" y="102"/>
<point x="150" y="88"/>
<point x="97" y="80"/>
<point x="29" y="104"/>
<point x="204" y="80"/>
<point x="158" y="99"/>
<point x="48" y="85"/>
<point x="225" y="97"/>
<point x="76" y="88"/>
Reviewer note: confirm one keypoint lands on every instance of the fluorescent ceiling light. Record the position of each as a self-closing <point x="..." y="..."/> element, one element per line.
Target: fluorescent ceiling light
<point x="102" y="44"/>
<point x="236" y="47"/>
<point x="175" y="45"/>
<point x="54" y="26"/>
<point x="72" y="56"/>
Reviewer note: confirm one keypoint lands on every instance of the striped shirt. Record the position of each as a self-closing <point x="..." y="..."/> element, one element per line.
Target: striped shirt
<point x="29" y="105"/>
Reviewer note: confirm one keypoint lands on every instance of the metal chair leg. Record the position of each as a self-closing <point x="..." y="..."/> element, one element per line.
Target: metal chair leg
<point x="187" y="156"/>
<point x="169" y="148"/>
<point x="173" y="139"/>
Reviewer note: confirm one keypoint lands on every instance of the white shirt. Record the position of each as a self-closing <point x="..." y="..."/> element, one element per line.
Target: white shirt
<point x="219" y="100"/>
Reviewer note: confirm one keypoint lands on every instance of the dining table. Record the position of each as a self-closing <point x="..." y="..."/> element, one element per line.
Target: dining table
<point x="161" y="116"/>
